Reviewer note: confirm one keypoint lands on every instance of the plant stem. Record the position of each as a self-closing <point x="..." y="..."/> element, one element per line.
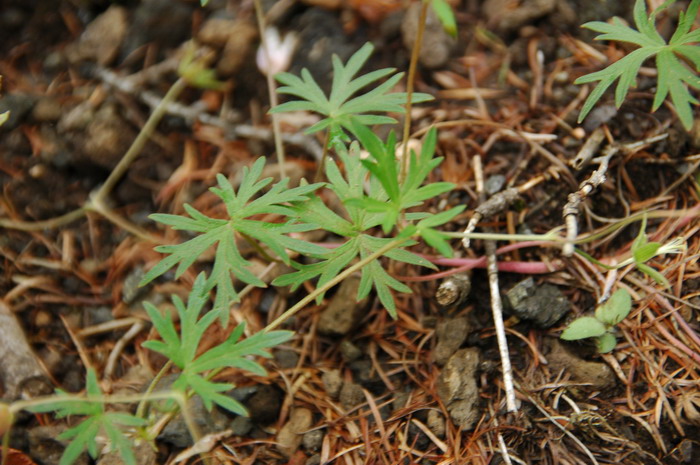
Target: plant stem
<point x="357" y="266"/>
<point x="322" y="163"/>
<point x="271" y="89"/>
<point x="415" y="53"/>
<point x="43" y="224"/>
<point x="140" y="141"/>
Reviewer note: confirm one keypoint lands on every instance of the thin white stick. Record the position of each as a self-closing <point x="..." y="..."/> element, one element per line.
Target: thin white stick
<point x="496" y="303"/>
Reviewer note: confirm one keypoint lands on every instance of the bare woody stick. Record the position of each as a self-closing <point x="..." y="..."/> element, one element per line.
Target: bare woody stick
<point x="496" y="303"/>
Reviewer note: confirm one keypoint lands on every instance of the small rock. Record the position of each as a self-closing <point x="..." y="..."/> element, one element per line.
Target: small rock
<point x="239" y="47"/>
<point x="451" y="334"/>
<point x="343" y="312"/>
<point x="215" y="31"/>
<point x="600" y="115"/>
<point x="313" y="460"/>
<point x="286" y="359"/>
<point x="176" y="431"/>
<point x="350" y="351"/>
<point x="543" y="305"/>
<point x="241" y="426"/>
<point x="47" y="110"/>
<point x="494" y="183"/>
<point x="18" y="105"/>
<point x="599" y="375"/>
<point x="291" y="434"/>
<point x="130" y="289"/>
<point x="264" y="406"/>
<point x="143" y="450"/>
<point x="332" y="382"/>
<point x="47" y="449"/>
<point x="436" y="423"/>
<point x="437" y="44"/>
<point x="504" y="17"/>
<point x="351" y="395"/>
<point x="313" y="440"/>
<point x="165" y="22"/>
<point x="102" y="38"/>
<point x="457" y="387"/>
<point x="109" y="136"/>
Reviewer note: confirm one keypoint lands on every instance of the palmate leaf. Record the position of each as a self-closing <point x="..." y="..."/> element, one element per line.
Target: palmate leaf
<point x="83" y="436"/>
<point x="342" y="111"/>
<point x="384" y="166"/>
<point x="674" y="75"/>
<point x="220" y="233"/>
<point x="381" y="204"/>
<point x="182" y="347"/>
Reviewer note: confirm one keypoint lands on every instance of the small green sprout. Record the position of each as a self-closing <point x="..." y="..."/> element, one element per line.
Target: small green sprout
<point x="677" y="62"/>
<point x="602" y="325"/>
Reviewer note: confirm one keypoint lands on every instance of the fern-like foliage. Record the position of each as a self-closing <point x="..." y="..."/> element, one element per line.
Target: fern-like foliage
<point x="241" y="206"/>
<point x="384" y="199"/>
<point x="342" y="111"/>
<point x="181" y="348"/>
<point x="673" y="60"/>
<point x="97" y="422"/>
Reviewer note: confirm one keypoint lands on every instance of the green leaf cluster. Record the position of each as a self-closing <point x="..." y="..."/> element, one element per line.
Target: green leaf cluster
<point x="602" y="325"/>
<point x="343" y="109"/>
<point x="182" y="348"/>
<point x="241" y="206"/>
<point x="98" y="422"/>
<point x="677" y="62"/>
<point x="384" y="201"/>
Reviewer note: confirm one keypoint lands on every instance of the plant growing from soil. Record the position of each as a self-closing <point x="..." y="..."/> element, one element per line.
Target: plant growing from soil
<point x="677" y="61"/>
<point x="602" y="325"/>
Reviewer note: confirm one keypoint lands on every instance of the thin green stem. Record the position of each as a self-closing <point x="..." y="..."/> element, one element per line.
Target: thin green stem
<point x="102" y="209"/>
<point x="357" y="266"/>
<point x="549" y="237"/>
<point x="271" y="89"/>
<point x="43" y="224"/>
<point x="322" y="163"/>
<point x="141" y="409"/>
<point x="140" y="141"/>
<point x="409" y="87"/>
<point x="117" y="399"/>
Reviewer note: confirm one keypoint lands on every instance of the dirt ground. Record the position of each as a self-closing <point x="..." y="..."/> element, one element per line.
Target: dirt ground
<point x="81" y="78"/>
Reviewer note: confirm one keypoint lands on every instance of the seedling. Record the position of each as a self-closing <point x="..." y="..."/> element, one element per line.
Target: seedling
<point x="602" y="325"/>
<point x="677" y="62"/>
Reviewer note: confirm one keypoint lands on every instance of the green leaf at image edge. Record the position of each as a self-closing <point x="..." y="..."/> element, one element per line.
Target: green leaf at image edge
<point x="615" y="309"/>
<point x="582" y="328"/>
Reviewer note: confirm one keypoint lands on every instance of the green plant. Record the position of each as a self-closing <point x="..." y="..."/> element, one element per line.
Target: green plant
<point x="382" y="204"/>
<point x="83" y="436"/>
<point x="672" y="60"/>
<point x="642" y="251"/>
<point x="182" y="349"/>
<point x="342" y="111"/>
<point x="602" y="325"/>
<point x="241" y="206"/>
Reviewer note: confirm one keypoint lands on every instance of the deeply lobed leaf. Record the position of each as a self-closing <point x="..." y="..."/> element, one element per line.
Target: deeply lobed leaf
<point x="343" y="112"/>
<point x="674" y="76"/>
<point x="240" y="205"/>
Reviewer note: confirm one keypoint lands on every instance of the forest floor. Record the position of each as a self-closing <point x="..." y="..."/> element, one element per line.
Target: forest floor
<point x="353" y="385"/>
